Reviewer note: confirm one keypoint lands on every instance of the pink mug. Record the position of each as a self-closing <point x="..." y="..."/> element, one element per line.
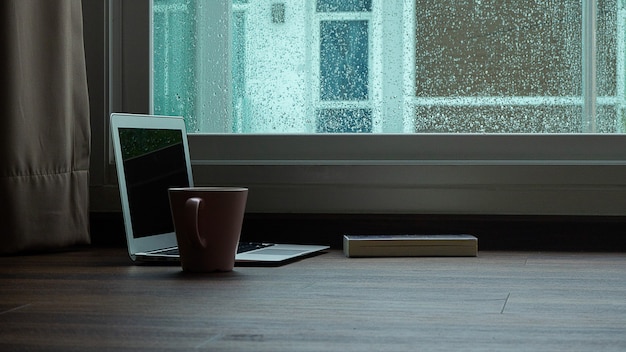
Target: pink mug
<point x="208" y="222"/>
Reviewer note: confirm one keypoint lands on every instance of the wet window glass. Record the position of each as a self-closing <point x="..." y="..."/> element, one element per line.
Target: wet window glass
<point x="377" y="66"/>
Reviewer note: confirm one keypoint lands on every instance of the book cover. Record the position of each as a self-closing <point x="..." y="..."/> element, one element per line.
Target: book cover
<point x="410" y="246"/>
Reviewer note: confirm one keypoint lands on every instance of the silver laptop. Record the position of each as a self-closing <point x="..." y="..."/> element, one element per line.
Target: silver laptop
<point x="151" y="156"/>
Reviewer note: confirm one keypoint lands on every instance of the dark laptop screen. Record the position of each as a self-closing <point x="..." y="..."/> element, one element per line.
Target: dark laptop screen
<point x="154" y="160"/>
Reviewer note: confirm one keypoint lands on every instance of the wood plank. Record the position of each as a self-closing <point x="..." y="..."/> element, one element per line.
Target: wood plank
<point x="95" y="299"/>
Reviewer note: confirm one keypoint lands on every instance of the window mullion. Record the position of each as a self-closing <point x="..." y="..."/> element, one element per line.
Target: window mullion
<point x="621" y="66"/>
<point x="589" y="66"/>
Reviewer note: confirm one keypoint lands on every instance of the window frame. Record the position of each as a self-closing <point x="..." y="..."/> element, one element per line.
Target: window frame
<point x="487" y="174"/>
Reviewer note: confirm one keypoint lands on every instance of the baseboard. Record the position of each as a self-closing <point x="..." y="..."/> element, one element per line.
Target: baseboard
<point x="537" y="233"/>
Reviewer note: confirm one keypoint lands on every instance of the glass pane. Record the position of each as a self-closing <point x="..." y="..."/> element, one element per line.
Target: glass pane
<point x="498" y="119"/>
<point x="526" y="56"/>
<point x="344" y="5"/>
<point x="344" y="60"/>
<point x="498" y="48"/>
<point x="344" y="121"/>
<point x="432" y="65"/>
<point x="607" y="42"/>
<point x="240" y="107"/>
<point x="174" y="56"/>
<point x="506" y="119"/>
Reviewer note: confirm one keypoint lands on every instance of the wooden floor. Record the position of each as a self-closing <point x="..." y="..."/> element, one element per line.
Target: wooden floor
<point x="94" y="299"/>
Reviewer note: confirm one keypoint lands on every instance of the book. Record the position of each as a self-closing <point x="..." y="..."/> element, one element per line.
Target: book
<point x="410" y="246"/>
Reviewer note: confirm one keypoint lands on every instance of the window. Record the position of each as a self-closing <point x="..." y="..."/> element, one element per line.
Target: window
<point x="470" y="107"/>
<point x="328" y="65"/>
<point x="518" y="67"/>
<point x="343" y="97"/>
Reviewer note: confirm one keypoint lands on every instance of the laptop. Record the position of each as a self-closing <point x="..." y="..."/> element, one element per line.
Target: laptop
<point x="151" y="156"/>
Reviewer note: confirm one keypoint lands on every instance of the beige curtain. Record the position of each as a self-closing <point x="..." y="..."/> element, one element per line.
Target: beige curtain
<point x="44" y="126"/>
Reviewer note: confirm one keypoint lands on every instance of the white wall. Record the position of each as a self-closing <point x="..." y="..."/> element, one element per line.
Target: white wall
<point x="278" y="67"/>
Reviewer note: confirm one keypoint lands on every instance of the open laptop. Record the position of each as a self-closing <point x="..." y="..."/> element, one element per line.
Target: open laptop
<point x="151" y="156"/>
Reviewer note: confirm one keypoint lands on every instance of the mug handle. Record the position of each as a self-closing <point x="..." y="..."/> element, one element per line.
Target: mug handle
<point x="192" y="213"/>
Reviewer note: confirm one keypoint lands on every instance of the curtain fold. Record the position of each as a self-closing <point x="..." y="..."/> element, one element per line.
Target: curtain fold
<point x="44" y="126"/>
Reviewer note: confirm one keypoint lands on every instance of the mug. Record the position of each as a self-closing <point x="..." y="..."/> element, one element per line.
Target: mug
<point x="207" y="222"/>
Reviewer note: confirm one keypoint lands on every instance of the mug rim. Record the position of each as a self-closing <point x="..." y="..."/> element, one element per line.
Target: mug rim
<point x="208" y="189"/>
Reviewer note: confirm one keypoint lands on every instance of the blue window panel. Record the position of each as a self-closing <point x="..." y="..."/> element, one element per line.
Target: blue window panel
<point x="344" y="121"/>
<point x="344" y="5"/>
<point x="344" y="60"/>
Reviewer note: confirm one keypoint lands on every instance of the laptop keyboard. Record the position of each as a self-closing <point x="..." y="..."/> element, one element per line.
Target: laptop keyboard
<point x="250" y="246"/>
<point x="243" y="247"/>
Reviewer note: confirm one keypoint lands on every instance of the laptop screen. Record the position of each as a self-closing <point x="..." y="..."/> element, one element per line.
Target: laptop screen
<point x="154" y="160"/>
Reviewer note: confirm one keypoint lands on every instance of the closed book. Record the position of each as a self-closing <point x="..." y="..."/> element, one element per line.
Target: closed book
<point x="410" y="246"/>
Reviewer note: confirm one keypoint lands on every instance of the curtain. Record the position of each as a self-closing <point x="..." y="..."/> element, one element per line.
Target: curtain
<point x="44" y="126"/>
